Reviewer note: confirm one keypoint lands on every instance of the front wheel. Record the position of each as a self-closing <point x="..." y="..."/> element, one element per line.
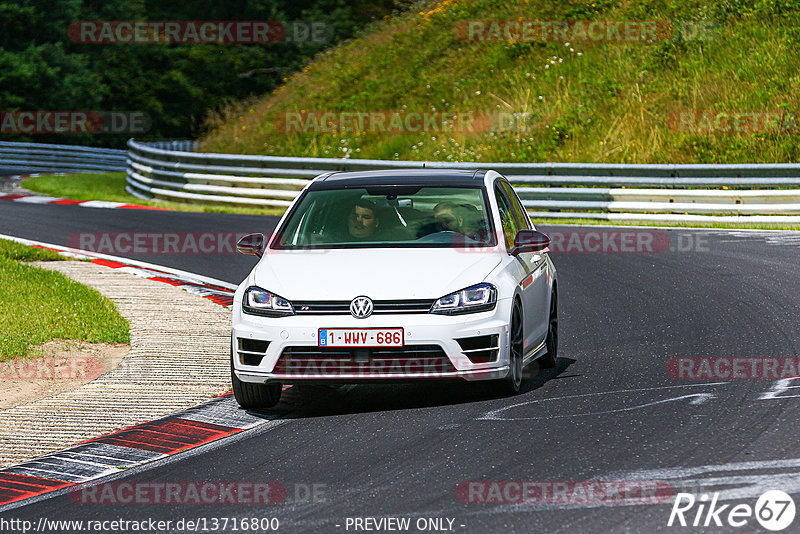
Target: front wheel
<point x="254" y="396"/>
<point x="510" y="385"/>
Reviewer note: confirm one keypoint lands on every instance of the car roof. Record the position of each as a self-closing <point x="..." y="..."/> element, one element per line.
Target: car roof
<point x="400" y="177"/>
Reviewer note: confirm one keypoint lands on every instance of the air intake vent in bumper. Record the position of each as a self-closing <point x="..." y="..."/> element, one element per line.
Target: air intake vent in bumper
<point x="251" y="351"/>
<point x="480" y="349"/>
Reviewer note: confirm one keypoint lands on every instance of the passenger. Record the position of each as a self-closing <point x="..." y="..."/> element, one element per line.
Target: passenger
<point x="449" y="217"/>
<point x="474" y="225"/>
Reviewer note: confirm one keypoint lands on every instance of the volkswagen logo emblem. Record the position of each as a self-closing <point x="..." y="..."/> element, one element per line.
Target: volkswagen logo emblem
<point x="361" y="307"/>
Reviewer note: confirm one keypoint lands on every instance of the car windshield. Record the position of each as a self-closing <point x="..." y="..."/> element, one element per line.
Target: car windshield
<point x="388" y="216"/>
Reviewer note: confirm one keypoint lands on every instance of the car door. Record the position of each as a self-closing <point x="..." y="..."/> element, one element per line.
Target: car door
<point x="533" y="283"/>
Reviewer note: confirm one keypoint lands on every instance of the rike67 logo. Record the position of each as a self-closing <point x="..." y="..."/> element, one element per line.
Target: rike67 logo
<point x="774" y="510"/>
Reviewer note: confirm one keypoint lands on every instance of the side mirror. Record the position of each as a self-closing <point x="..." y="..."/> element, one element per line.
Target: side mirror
<point x="252" y="245"/>
<point x="530" y="241"/>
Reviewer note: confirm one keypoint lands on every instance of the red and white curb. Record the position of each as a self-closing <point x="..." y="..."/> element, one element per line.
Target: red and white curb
<point x="40" y="199"/>
<point x="139" y="444"/>
<point x="43" y="199"/>
<point x="210" y="288"/>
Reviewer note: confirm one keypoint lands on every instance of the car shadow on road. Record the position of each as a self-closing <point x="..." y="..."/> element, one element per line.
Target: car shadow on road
<point x="534" y="377"/>
<point x="306" y="401"/>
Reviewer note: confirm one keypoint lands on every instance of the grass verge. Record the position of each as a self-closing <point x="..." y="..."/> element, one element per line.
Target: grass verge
<point x="562" y="99"/>
<point x="566" y="98"/>
<point x="41" y="305"/>
<point x="110" y="186"/>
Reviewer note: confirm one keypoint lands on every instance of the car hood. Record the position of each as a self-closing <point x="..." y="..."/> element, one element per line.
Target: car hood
<point x="381" y="274"/>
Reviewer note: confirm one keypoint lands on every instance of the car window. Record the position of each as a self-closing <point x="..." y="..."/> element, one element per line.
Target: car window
<point x="510" y="226"/>
<point x="519" y="211"/>
<point x="364" y="217"/>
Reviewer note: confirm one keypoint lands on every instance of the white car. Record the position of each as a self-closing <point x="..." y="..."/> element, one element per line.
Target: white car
<point x="392" y="276"/>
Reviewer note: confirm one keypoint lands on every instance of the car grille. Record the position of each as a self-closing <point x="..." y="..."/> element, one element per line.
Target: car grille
<point x="342" y="307"/>
<point x="426" y="360"/>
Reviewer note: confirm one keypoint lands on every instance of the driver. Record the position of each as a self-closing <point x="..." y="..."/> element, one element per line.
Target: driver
<point x="363" y="223"/>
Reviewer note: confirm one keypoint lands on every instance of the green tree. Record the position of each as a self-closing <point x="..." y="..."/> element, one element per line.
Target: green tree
<point x="177" y="85"/>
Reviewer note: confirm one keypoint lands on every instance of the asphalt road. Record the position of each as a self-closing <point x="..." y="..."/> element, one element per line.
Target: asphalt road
<point x="609" y="411"/>
<point x="65" y="225"/>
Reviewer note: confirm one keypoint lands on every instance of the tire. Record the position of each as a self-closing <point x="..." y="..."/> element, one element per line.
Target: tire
<point x="254" y="396"/>
<point x="548" y="361"/>
<point x="510" y="385"/>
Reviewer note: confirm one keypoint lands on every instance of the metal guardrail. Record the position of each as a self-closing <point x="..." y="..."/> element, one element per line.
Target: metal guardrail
<point x="172" y="170"/>
<point x="39" y="157"/>
<point x="580" y="190"/>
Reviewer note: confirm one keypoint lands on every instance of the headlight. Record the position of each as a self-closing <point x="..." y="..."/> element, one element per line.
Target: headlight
<point x="257" y="301"/>
<point x="477" y="298"/>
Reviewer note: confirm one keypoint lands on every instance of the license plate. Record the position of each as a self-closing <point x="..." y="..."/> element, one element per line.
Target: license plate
<point x="361" y="337"/>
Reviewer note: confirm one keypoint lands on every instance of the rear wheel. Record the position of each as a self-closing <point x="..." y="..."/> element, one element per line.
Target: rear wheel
<point x="551" y="342"/>
<point x="510" y="385"/>
<point x="254" y="396"/>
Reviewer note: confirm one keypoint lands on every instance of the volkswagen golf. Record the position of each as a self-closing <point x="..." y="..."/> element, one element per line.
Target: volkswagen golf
<point x="393" y="276"/>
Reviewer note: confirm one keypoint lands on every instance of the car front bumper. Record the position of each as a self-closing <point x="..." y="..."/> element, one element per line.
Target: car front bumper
<point x="420" y="330"/>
